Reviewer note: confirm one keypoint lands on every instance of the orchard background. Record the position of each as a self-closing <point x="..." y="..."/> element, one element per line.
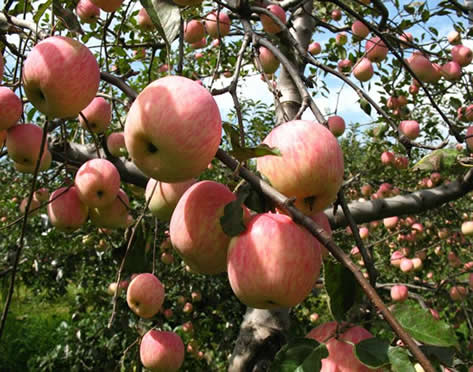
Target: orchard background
<point x="405" y="193"/>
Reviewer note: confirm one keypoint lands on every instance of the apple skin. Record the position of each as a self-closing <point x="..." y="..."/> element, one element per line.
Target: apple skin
<point x="268" y="24"/>
<point x="97" y="182"/>
<point x="387" y="158"/>
<point x="10" y="108"/>
<point x="399" y="293"/>
<point x="406" y="265"/>
<point x="144" y="21"/>
<point x="469" y="140"/>
<point x="165" y="197"/>
<point x="359" y="30"/>
<point x="336" y="124"/>
<point x="173" y="129"/>
<point x="341" y="38"/>
<point x="311" y="165"/>
<point x="195" y="228"/>
<point x="161" y="351"/>
<point x="321" y="219"/>
<point x="200" y="44"/>
<point x="108" y="5"/>
<point x="145" y="295"/>
<point x="314" y="48"/>
<point x="116" y="144"/>
<point x="60" y="77"/>
<point x="283" y="256"/>
<point x="344" y="65"/>
<point x="410" y="128"/>
<point x="113" y="215"/>
<point x="376" y="50"/>
<point x="422" y="68"/>
<point x="3" y="137"/>
<point x="194" y="31"/>
<point x="224" y="23"/>
<point x="34" y="206"/>
<point x="467" y="228"/>
<point x="45" y="164"/>
<point x="363" y="70"/>
<point x="87" y="11"/>
<point x="451" y="71"/>
<point x="98" y="114"/>
<point x="66" y="211"/>
<point x="24" y="143"/>
<point x="2" y="67"/>
<point x="462" y="55"/>
<point x="269" y="62"/>
<point x="341" y="356"/>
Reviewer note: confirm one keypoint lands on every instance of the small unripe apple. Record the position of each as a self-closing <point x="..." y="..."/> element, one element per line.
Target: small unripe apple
<point x="344" y="65"/>
<point x="336" y="124"/>
<point x="399" y="293"/>
<point x="314" y="317"/>
<point x="341" y="38"/>
<point x="188" y="327"/>
<point x="269" y="62"/>
<point x="268" y="24"/>
<point x="364" y="233"/>
<point x="454" y="37"/>
<point x="116" y="144"/>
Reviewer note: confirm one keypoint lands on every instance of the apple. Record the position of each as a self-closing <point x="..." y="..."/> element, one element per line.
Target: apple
<point x="161" y="351"/>
<point x="194" y="31"/>
<point x="387" y="158"/>
<point x="268" y="24"/>
<point x="167" y="258"/>
<point x="116" y="144"/>
<point x="364" y="233"/>
<point x="422" y="68"/>
<point x="145" y="295"/>
<point x="23" y="145"/>
<point x="458" y="293"/>
<point x="60" y="77"/>
<point x="98" y="115"/>
<point x="188" y="327"/>
<point x="314" y="48"/>
<point x="108" y="5"/>
<point x="390" y="222"/>
<point x="196" y="296"/>
<point x="199" y="44"/>
<point x="113" y="215"/>
<point x="467" y="228"/>
<point x="376" y="50"/>
<point x="341" y="38"/>
<point x="198" y="55"/>
<point x="187" y="308"/>
<point x="310" y="167"/>
<point x="336" y="124"/>
<point x="402" y="100"/>
<point x="341" y="356"/>
<point x="336" y="14"/>
<point x="188" y="2"/>
<point x="30" y="168"/>
<point x="392" y="102"/>
<point x="11" y="108"/>
<point x="97" y="182"/>
<point x="2" y="67"/>
<point x="65" y="209"/>
<point x="363" y="70"/>
<point x="405" y="39"/>
<point x="173" y="129"/>
<point x="283" y="256"/>
<point x="41" y="195"/>
<point x="344" y="65"/>
<point x="454" y="37"/>
<point x="401" y="162"/>
<point x="462" y="55"/>
<point x="417" y="263"/>
<point x="34" y="207"/>
<point x="468" y="138"/>
<point x="406" y="265"/>
<point x="112" y="288"/>
<point x="144" y="20"/>
<point x="87" y="11"/>
<point x="217" y="29"/>
<point x="451" y="71"/>
<point x="163" y="197"/>
<point x="269" y="62"/>
<point x="195" y="228"/>
<point x="410" y="128"/>
<point x="399" y="293"/>
<point x="168" y="313"/>
<point x="314" y="317"/>
<point x="321" y="219"/>
<point x="359" y="30"/>
<point x="413" y="89"/>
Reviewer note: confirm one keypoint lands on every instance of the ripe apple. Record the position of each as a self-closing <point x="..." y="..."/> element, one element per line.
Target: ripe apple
<point x="341" y="38"/>
<point x="336" y="14"/>
<point x="195" y="228"/>
<point x="23" y="145"/>
<point x="451" y="71"/>
<point x="462" y="55"/>
<point x="454" y="37"/>
<point x="145" y="295"/>
<point x="359" y="30"/>
<point x="283" y="256"/>
<point x="364" y="232"/>
<point x="468" y="138"/>
<point x="363" y="70"/>
<point x="269" y="62"/>
<point x="173" y="129"/>
<point x="30" y="168"/>
<point x="116" y="144"/>
<point x="387" y="158"/>
<point x="321" y="219"/>
<point x="314" y="48"/>
<point x="87" y="11"/>
<point x="396" y="258"/>
<point x="97" y="182"/>
<point x="10" y="108"/>
<point x="422" y="68"/>
<point x="161" y="351"/>
<point x="163" y="200"/>
<point x="187" y="308"/>
<point x="410" y="128"/>
<point x="376" y="50"/>
<point x="391" y="222"/>
<point x="268" y="24"/>
<point x="34" y="207"/>
<point x="336" y="124"/>
<point x="65" y="209"/>
<point x="144" y="20"/>
<point x="401" y="162"/>
<point x="406" y="265"/>
<point x="113" y="215"/>
<point x="417" y="263"/>
<point x="108" y="5"/>
<point x="399" y="293"/>
<point x="3" y="137"/>
<point x="194" y="31"/>
<point x="217" y="29"/>
<point x="60" y="77"/>
<point x="98" y="114"/>
<point x="344" y="65"/>
<point x="311" y="165"/>
<point x="458" y="293"/>
<point x="467" y="228"/>
<point x="341" y="356"/>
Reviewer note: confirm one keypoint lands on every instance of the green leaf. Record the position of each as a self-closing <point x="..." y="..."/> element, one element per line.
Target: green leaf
<point x="300" y="355"/>
<point x="438" y="160"/>
<point x="246" y="153"/>
<point x="443" y="354"/>
<point x="372" y="352"/>
<point x="41" y="9"/>
<point x="365" y="106"/>
<point x="232" y="134"/>
<point x="342" y="288"/>
<point x="166" y="16"/>
<point x="399" y="359"/>
<point x="232" y="219"/>
<point x="423" y="327"/>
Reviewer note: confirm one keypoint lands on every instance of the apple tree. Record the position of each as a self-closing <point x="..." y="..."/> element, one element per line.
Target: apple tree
<point x="212" y="179"/>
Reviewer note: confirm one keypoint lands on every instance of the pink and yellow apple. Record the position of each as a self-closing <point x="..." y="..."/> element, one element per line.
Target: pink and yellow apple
<point x="65" y="209"/>
<point x="269" y="62"/>
<point x="194" y="31"/>
<point x="363" y="70"/>
<point x="23" y="145"/>
<point x="359" y="30"/>
<point x="217" y="29"/>
<point x="462" y="55"/>
<point x="399" y="293"/>
<point x="116" y="144"/>
<point x="376" y="50"/>
<point x="108" y="5"/>
<point x="87" y="11"/>
<point x="145" y="295"/>
<point x="268" y="24"/>
<point x="10" y="108"/>
<point x="161" y="351"/>
<point x="314" y="48"/>
<point x="144" y="20"/>
<point x="410" y="128"/>
<point x="98" y="115"/>
<point x="113" y="215"/>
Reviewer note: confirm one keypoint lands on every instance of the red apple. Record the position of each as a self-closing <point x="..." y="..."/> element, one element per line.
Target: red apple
<point x="387" y="158"/>
<point x="199" y="44"/>
<point x="458" y="293"/>
<point x="194" y="31"/>
<point x="336" y="124"/>
<point x="360" y="31"/>
<point x="268" y="24"/>
<point x="336" y="14"/>
<point x="269" y="62"/>
<point x="145" y="295"/>
<point x="344" y="65"/>
<point x="98" y="115"/>
<point x="113" y="215"/>
<point x="410" y="128"/>
<point x="65" y="209"/>
<point x="108" y="5"/>
<point x="310" y="167"/>
<point x="60" y="77"/>
<point x="399" y="293"/>
<point x="468" y="138"/>
<point x="314" y="48"/>
<point x="87" y="11"/>
<point x="144" y="20"/>
<point x="10" y="108"/>
<point x="391" y="222"/>
<point x="363" y="70"/>
<point x="217" y="29"/>
<point x="173" y="129"/>
<point x="462" y="55"/>
<point x="161" y="351"/>
<point x="406" y="265"/>
<point x="116" y="144"/>
<point x="283" y="256"/>
<point x="423" y="68"/>
<point x="341" y="38"/>
<point x="376" y="50"/>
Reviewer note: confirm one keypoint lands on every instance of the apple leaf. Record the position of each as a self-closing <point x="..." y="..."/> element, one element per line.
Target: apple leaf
<point x="67" y="17"/>
<point x="300" y="355"/>
<point x="166" y="16"/>
<point x="423" y="327"/>
<point x="365" y="106"/>
<point x="399" y="359"/>
<point x="444" y="355"/>
<point x="342" y="288"/>
<point x="232" y="133"/>
<point x="41" y="10"/>
<point x="438" y="160"/>
<point x="372" y="352"/>
<point x="232" y="219"/>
